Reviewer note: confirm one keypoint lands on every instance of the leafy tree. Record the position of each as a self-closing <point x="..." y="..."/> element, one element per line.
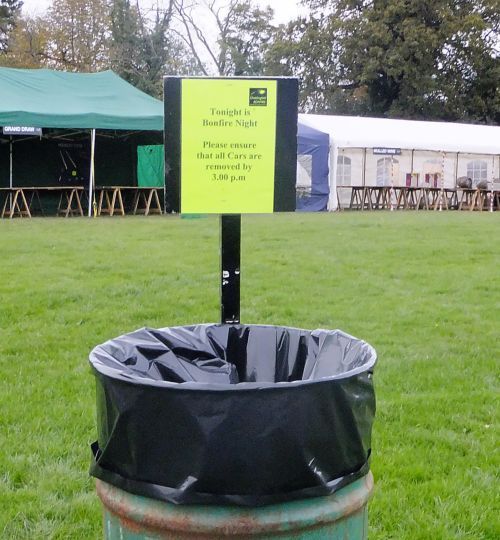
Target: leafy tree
<point x="403" y="58"/>
<point x="244" y="38"/>
<point x="470" y="62"/>
<point x="306" y="48"/>
<point x="144" y="47"/>
<point x="9" y="11"/>
<point x="78" y="35"/>
<point x="28" y="43"/>
<point x="125" y="39"/>
<point x="243" y="34"/>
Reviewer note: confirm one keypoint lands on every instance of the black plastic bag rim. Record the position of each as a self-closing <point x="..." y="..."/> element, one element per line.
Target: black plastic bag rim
<point x="177" y="496"/>
<point x="112" y="373"/>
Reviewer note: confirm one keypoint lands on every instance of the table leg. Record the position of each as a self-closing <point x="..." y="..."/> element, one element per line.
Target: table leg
<point x="356" y="205"/>
<point x="339" y="208"/>
<point x="433" y="198"/>
<point x="135" y="203"/>
<point x="401" y="202"/>
<point x="381" y="199"/>
<point x="472" y="201"/>
<point x="14" y="205"/>
<point x="412" y="203"/>
<point x="481" y="196"/>
<point x="373" y="201"/>
<point x="387" y="199"/>
<point x="7" y="198"/>
<point x="445" y="201"/>
<point x="452" y="200"/>
<point x="108" y="204"/>
<point x="461" y="203"/>
<point x="406" y="202"/>
<point x="418" y="200"/>
<point x="25" y="204"/>
<point x="78" y="202"/>
<point x="69" y="201"/>
<point x="440" y="199"/>
<point x="120" y="202"/>
<point x="101" y="196"/>
<point x="352" y="199"/>
<point x="59" y="204"/>
<point x="368" y="197"/>
<point x="113" y="201"/>
<point x="427" y="202"/>
<point x="157" y="198"/>
<point x="148" y="204"/>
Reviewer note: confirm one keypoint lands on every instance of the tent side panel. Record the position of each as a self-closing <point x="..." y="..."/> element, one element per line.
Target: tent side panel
<point x="150" y="165"/>
<point x="312" y="160"/>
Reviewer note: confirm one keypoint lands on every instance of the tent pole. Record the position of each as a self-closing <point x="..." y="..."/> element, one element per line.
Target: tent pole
<point x="10" y="162"/>
<point x="332" y="199"/>
<point x="92" y="171"/>
<point x="10" y="170"/>
<point x="441" y="193"/>
<point x="492" y="193"/>
<point x="363" y="174"/>
<point x="392" y="194"/>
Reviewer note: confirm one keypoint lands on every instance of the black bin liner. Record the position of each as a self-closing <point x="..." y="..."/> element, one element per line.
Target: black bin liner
<point x="233" y="414"/>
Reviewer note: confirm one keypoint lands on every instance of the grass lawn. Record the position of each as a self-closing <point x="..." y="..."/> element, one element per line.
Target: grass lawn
<point x="422" y="288"/>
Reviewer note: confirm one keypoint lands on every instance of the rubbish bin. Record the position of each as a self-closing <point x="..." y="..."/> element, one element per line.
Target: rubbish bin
<point x="220" y="417"/>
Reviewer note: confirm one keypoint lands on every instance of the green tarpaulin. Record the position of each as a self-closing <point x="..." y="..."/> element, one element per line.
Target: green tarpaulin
<point x="150" y="166"/>
<point x="55" y="99"/>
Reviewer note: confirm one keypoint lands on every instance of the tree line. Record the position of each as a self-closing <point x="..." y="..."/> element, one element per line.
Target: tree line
<point x="421" y="59"/>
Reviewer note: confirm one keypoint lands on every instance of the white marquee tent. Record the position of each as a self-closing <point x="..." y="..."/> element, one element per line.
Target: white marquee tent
<point x="416" y="151"/>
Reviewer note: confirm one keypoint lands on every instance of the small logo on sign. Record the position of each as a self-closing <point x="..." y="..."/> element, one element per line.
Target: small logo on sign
<point x="258" y="97"/>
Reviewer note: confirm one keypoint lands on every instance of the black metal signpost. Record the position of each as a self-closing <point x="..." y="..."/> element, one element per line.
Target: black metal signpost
<point x="230" y="249"/>
<point x="230" y="149"/>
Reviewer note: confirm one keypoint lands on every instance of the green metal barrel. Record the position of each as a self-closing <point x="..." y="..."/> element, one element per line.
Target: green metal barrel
<point x="342" y="516"/>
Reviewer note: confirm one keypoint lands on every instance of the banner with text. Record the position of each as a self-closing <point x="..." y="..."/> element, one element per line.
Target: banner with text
<point x="22" y="130"/>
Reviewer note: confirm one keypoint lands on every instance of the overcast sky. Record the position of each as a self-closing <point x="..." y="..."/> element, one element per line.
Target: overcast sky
<point x="284" y="10"/>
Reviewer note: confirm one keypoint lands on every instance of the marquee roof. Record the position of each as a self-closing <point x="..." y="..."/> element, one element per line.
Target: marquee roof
<point x="364" y="132"/>
<point x="55" y="99"/>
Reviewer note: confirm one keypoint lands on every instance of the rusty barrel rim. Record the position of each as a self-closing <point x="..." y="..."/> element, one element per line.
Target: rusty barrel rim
<point x="137" y="512"/>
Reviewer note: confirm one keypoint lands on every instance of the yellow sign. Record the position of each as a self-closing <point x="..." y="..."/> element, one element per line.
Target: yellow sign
<point x="228" y="140"/>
